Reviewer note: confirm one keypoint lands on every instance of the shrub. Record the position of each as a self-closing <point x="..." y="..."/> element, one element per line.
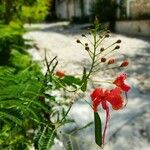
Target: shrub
<point x="10" y="38"/>
<point x="23" y="10"/>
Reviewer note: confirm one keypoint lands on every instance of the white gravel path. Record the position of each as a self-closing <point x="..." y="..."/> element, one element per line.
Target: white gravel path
<point x="129" y="128"/>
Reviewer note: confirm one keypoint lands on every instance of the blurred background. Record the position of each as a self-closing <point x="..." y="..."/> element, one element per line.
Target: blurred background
<point x="27" y="28"/>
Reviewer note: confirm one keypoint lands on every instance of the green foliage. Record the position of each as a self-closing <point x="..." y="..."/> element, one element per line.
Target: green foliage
<point x="27" y="104"/>
<point x="19" y="60"/>
<point x="84" y="80"/>
<point x="10" y="38"/>
<point x="69" y="145"/>
<point x="20" y="107"/>
<point x="46" y="139"/>
<point x="35" y="13"/>
<point x="23" y="10"/>
<point x="98" y="129"/>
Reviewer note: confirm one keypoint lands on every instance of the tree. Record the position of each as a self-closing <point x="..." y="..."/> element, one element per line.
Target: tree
<point x="23" y="10"/>
<point x="105" y="10"/>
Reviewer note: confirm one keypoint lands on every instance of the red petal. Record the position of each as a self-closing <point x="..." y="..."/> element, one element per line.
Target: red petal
<point x="96" y="97"/>
<point x="115" y="98"/>
<point x="125" y="87"/>
<point x="120" y="82"/>
<point x="96" y="93"/>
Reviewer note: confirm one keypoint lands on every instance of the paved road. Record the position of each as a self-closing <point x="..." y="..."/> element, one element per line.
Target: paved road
<point x="130" y="128"/>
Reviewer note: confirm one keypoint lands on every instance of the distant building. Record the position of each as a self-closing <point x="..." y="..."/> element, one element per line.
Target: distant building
<point x="140" y="9"/>
<point x="133" y="9"/>
<point x="66" y="9"/>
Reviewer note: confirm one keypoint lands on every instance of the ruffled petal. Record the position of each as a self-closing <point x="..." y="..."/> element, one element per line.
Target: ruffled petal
<point x="120" y="82"/>
<point x="97" y="93"/>
<point x="115" y="99"/>
<point x="96" y="97"/>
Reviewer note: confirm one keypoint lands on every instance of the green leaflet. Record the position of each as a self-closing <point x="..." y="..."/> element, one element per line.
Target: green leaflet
<point x="46" y="139"/>
<point x="68" y="80"/>
<point x="71" y="80"/>
<point x="84" y="80"/>
<point x="98" y="129"/>
<point x="69" y="145"/>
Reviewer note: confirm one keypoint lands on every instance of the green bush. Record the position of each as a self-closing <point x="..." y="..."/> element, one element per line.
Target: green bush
<point x="23" y="10"/>
<point x="35" y="13"/>
<point x="10" y="38"/>
<point x="29" y="113"/>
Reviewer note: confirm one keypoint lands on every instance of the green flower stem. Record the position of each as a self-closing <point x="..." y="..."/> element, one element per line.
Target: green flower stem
<point x="85" y="100"/>
<point x="108" y="52"/>
<point x="61" y="121"/>
<point x="101" y="40"/>
<point x="110" y="46"/>
<point x="94" y="55"/>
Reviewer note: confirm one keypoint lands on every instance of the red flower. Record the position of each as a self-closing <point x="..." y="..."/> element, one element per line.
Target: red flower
<point x="60" y="74"/>
<point x="101" y="96"/>
<point x="120" y="82"/>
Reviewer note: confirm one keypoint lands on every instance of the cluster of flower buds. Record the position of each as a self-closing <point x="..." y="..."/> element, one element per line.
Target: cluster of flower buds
<point x="102" y="53"/>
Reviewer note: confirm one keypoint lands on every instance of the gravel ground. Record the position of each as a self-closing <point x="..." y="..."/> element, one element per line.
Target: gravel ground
<point x="129" y="128"/>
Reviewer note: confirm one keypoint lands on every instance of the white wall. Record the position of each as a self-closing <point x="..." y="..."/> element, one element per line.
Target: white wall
<point x="87" y="6"/>
<point x="61" y="10"/>
<point x="74" y="8"/>
<point x="139" y="27"/>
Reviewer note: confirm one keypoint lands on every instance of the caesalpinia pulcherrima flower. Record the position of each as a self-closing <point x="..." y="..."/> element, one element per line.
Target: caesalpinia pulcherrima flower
<point x="102" y="59"/>
<point x="113" y="97"/>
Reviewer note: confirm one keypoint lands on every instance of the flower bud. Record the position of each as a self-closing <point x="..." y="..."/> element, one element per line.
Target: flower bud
<point x="124" y="63"/>
<point x="86" y="44"/>
<point x="83" y="35"/>
<point x="78" y="41"/>
<point x="103" y="59"/>
<point x="87" y="48"/>
<point x="107" y="35"/>
<point x="60" y="74"/>
<point x="117" y="47"/>
<point x="102" y="49"/>
<point x="118" y="41"/>
<point x="108" y="31"/>
<point x="111" y="61"/>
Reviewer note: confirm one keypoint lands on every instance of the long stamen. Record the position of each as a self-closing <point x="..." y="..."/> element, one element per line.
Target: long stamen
<point x="106" y="124"/>
<point x="126" y="99"/>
